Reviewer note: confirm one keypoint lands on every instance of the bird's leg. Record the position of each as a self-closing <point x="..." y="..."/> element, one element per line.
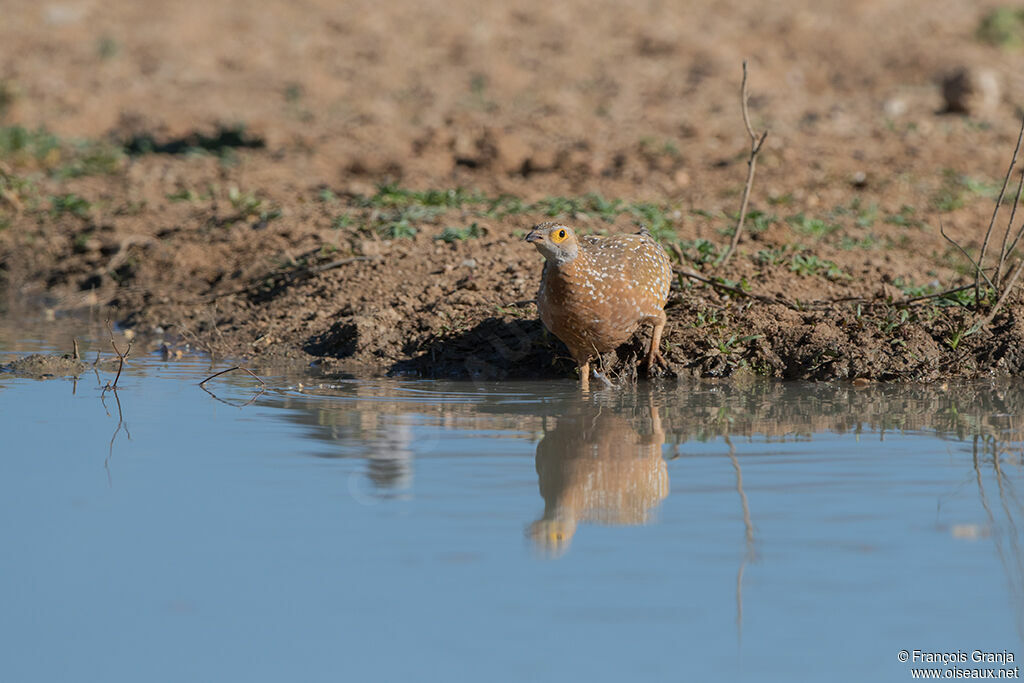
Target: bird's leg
<point x="654" y="355"/>
<point x="585" y="375"/>
<point x="599" y="374"/>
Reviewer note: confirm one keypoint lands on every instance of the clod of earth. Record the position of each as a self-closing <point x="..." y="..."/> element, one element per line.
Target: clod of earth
<point x="45" y="366"/>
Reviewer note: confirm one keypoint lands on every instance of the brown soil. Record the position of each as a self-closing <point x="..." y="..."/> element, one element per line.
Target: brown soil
<point x="240" y="208"/>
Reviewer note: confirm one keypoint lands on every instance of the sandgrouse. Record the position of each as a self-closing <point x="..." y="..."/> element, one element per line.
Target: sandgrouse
<point x="596" y="291"/>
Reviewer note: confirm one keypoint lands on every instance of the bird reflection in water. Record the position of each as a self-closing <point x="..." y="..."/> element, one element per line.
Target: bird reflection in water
<point x="389" y="453"/>
<point x="599" y="464"/>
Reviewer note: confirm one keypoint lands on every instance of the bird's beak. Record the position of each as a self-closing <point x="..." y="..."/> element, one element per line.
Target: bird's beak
<point x="534" y="236"/>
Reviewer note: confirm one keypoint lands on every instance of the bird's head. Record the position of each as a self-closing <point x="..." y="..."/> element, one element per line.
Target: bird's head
<point x="552" y="537"/>
<point x="556" y="241"/>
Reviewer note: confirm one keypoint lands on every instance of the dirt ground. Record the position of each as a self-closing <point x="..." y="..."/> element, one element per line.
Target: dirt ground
<point x="348" y="184"/>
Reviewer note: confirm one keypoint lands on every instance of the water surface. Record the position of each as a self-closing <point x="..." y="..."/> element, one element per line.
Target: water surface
<point x="387" y="530"/>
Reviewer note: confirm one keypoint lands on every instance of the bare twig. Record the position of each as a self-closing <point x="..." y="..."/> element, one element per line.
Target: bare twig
<point x="678" y="251"/>
<point x="995" y="212"/>
<point x="755" y="147"/>
<point x="74" y="340"/>
<point x="121" y="357"/>
<point x="902" y="303"/>
<point x="120" y="425"/>
<point x="736" y="290"/>
<point x="820" y="304"/>
<point x="925" y="297"/>
<point x="1020" y="231"/>
<point x="1004" y="253"/>
<point x="232" y="369"/>
<point x="335" y="264"/>
<point x="259" y="392"/>
<point x="1006" y="292"/>
<point x="976" y="264"/>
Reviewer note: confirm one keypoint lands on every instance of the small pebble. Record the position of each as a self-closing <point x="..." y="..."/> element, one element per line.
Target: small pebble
<point x="895" y="107"/>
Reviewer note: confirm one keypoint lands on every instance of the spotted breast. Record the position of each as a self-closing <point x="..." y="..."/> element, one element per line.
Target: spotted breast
<point x="596" y="291"/>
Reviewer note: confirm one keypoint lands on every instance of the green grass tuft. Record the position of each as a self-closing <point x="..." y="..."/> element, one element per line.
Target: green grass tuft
<point x="1002" y="27"/>
<point x="904" y="218"/>
<point x="451" y="234"/>
<point x="813" y="227"/>
<point x="21" y="145"/>
<point x="251" y="205"/>
<point x="70" y="203"/>
<point x="772" y="257"/>
<point x="699" y="251"/>
<point x="963" y="298"/>
<point x="60" y="158"/>
<point x="810" y="265"/>
<point x="107" y="47"/>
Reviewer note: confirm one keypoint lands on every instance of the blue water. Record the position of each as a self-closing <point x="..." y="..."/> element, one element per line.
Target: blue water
<point x="396" y="530"/>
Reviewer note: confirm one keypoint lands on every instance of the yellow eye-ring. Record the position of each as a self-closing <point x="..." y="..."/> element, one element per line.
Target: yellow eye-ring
<point x="559" y="236"/>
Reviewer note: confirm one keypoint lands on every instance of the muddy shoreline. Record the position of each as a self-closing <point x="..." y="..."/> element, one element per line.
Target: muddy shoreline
<point x="357" y="206"/>
<point x="463" y="308"/>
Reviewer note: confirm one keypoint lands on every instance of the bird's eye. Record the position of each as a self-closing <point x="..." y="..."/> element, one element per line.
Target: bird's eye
<point x="560" y="235"/>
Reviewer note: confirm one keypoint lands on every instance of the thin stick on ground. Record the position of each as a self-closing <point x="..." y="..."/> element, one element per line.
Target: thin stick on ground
<point x="820" y="305"/>
<point x="755" y="147"/>
<point x="902" y="303"/>
<point x="232" y="369"/>
<point x="995" y="213"/>
<point x="937" y="295"/>
<point x="736" y="290"/>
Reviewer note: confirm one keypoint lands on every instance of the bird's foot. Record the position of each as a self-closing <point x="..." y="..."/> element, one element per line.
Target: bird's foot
<point x="599" y="376"/>
<point x="654" y="358"/>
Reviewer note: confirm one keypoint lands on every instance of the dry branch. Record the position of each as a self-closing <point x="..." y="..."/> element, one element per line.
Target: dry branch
<point x="1004" y="253"/>
<point x="976" y="264"/>
<point x="1001" y="289"/>
<point x="1020" y="231"/>
<point x="736" y="290"/>
<point x="232" y="369"/>
<point x="259" y="392"/>
<point x="819" y="305"/>
<point x="995" y="213"/>
<point x="121" y="357"/>
<point x="755" y="148"/>
<point x="1006" y="292"/>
